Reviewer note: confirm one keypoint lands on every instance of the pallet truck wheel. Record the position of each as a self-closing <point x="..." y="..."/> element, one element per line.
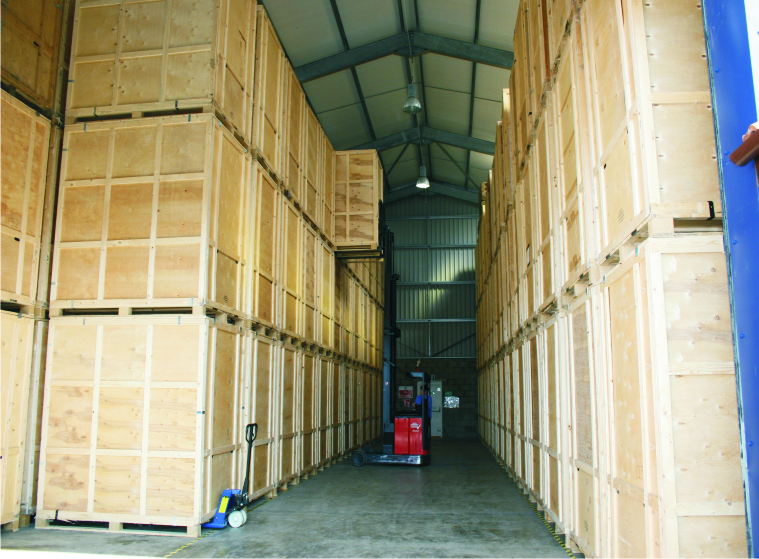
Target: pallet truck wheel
<point x="245" y="515"/>
<point x="359" y="458"/>
<point x="236" y="519"/>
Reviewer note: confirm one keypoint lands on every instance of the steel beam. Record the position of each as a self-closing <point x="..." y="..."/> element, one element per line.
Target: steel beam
<point x="430" y="135"/>
<point x="398" y="44"/>
<point x="436" y="187"/>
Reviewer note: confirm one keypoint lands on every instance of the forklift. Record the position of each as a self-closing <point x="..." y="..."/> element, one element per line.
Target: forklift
<point x="412" y="434"/>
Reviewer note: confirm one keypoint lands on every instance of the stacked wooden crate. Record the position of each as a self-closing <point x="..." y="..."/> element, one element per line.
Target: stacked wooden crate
<point x="193" y="290"/>
<point x="32" y="84"/>
<point x="613" y="397"/>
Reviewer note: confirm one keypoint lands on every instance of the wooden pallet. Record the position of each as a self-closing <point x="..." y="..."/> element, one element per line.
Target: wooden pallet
<point x="141" y="529"/>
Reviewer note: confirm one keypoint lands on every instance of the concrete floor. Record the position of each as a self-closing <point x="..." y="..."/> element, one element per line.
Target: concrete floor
<point x="462" y="505"/>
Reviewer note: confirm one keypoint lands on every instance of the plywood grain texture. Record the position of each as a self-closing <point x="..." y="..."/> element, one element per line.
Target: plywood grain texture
<point x="30" y="44"/>
<point x="17" y="341"/>
<point x="24" y="159"/>
<point x="358" y="192"/>
<point x="152" y="213"/>
<point x="159" y="55"/>
<point x="142" y="428"/>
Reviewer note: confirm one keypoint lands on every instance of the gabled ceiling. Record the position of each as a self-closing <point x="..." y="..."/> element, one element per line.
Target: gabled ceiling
<point x="353" y="59"/>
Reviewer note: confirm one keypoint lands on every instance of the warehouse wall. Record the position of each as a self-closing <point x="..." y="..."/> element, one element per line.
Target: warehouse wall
<point x="435" y="238"/>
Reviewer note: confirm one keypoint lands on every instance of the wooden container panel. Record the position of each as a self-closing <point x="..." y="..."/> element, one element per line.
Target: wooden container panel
<point x="17" y="339"/>
<point x="139" y="418"/>
<point x="670" y="339"/>
<point x="358" y="192"/>
<point x="328" y="185"/>
<point x="327" y="296"/>
<point x="309" y="413"/>
<point x="258" y="404"/>
<point x="30" y="42"/>
<point x="152" y="213"/>
<point x="295" y="130"/>
<point x="156" y="56"/>
<point x="560" y="16"/>
<point x="660" y="159"/>
<point x="289" y="405"/>
<point x="311" y="201"/>
<point x="265" y="277"/>
<point x="293" y="231"/>
<point x="25" y="137"/>
<point x="269" y="96"/>
<point x="311" y="267"/>
<point x="34" y="422"/>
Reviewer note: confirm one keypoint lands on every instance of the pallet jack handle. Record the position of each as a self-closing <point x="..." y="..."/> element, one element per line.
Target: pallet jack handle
<point x="251" y="432"/>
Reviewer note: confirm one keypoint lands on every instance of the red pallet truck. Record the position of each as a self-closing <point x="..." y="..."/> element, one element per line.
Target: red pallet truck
<point x="412" y="435"/>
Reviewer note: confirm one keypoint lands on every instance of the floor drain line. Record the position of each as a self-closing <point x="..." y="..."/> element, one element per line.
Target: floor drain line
<point x="211" y="533"/>
<point x="553" y="532"/>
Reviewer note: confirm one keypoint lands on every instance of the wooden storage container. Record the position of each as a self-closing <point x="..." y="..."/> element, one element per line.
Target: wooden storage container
<point x="25" y="137"/>
<point x="651" y="116"/>
<point x="294" y="134"/>
<point x="327" y="296"/>
<point x="313" y="181"/>
<point x="269" y="97"/>
<point x="141" y="57"/>
<point x="329" y="398"/>
<point x="30" y="42"/>
<point x="152" y="213"/>
<point x="311" y="268"/>
<point x="258" y="404"/>
<point x="328" y="185"/>
<point x="293" y="231"/>
<point x="358" y="192"/>
<point x="266" y="253"/>
<point x="34" y="421"/>
<point x="309" y="412"/>
<point x="17" y="340"/>
<point x="139" y="420"/>
<point x="677" y="485"/>
<point x="290" y="382"/>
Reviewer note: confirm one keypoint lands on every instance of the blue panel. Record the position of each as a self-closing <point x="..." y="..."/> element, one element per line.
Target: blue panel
<point x="735" y="109"/>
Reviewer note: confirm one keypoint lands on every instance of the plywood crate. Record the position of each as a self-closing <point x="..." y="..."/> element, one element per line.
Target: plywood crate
<point x="339" y="317"/>
<point x="266" y="255"/>
<point x="269" y="98"/>
<point x="289" y="421"/>
<point x="328" y="193"/>
<point x="294" y="137"/>
<point x="677" y="485"/>
<point x="327" y="295"/>
<point x="293" y="231"/>
<point x="559" y="20"/>
<point x="329" y="402"/>
<point x="140" y="57"/>
<point x="30" y="42"/>
<point x="34" y="419"/>
<point x="139" y="420"/>
<point x="311" y="268"/>
<point x="258" y="404"/>
<point x="25" y="137"/>
<point x="152" y="213"/>
<point x="653" y="132"/>
<point x="313" y="182"/>
<point x="358" y="192"/>
<point x="309" y="412"/>
<point x="17" y="339"/>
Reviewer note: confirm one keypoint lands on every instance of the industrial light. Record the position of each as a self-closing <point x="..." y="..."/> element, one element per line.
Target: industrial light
<point x="412" y="105"/>
<point x="422" y="181"/>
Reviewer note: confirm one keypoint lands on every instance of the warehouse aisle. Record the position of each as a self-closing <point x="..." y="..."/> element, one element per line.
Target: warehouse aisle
<point x="463" y="505"/>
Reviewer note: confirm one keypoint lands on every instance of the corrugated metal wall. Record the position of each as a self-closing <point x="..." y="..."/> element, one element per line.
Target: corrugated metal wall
<point x="435" y="238"/>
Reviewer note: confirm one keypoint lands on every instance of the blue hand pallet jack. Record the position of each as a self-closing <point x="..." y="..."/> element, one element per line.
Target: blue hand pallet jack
<point x="234" y="502"/>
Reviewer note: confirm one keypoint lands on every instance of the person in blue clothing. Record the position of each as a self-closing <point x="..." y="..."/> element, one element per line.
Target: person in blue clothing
<point x="418" y="402"/>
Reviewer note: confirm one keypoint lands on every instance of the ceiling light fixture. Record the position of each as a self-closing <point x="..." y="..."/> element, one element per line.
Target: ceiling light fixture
<point x="412" y="105"/>
<point x="422" y="181"/>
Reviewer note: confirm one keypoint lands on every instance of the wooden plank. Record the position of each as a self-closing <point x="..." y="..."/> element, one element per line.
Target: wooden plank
<point x="25" y="137"/>
<point x="178" y="58"/>
<point x="30" y="44"/>
<point x="17" y="333"/>
<point x="152" y="212"/>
